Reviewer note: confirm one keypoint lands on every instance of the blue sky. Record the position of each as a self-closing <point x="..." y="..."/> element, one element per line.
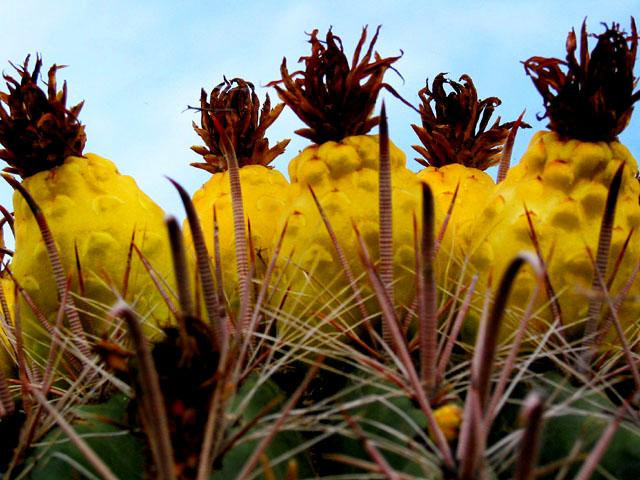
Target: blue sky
<point x="139" y="64"/>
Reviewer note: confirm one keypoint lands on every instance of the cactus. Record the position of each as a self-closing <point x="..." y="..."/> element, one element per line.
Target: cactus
<point x="220" y="394"/>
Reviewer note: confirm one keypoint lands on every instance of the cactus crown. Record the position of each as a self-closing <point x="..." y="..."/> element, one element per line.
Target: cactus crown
<point x="593" y="99"/>
<point x="454" y="129"/>
<point x="234" y="106"/>
<point x="37" y="131"/>
<point x="333" y="98"/>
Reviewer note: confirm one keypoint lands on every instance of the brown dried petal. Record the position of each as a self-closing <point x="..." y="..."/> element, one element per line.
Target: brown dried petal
<point x="37" y="130"/>
<point x="454" y="126"/>
<point x="333" y="98"/>
<point x="591" y="98"/>
<point x="236" y="107"/>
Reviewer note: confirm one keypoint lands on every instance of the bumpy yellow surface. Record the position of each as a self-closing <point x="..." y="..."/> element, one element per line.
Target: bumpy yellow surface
<point x="564" y="183"/>
<point x="88" y="204"/>
<point x="475" y="187"/>
<point x="265" y="194"/>
<point x="449" y="419"/>
<point x="344" y="177"/>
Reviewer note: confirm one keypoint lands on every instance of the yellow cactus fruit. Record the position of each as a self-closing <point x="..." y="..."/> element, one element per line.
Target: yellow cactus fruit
<point x="458" y="145"/>
<point x="563" y="181"/>
<point x="265" y="192"/>
<point x="346" y="200"/>
<point x="93" y="213"/>
<point x="449" y="418"/>
<point x="336" y="99"/>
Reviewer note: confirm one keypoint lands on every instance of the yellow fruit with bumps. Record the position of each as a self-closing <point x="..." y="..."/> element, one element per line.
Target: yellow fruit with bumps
<point x="563" y="184"/>
<point x="458" y="145"/>
<point x="335" y="98"/>
<point x="563" y="181"/>
<point x="91" y="207"/>
<point x="265" y="191"/>
<point x="344" y="177"/>
<point x="265" y="195"/>
<point x="92" y="211"/>
<point x="474" y="187"/>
